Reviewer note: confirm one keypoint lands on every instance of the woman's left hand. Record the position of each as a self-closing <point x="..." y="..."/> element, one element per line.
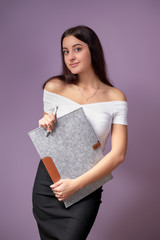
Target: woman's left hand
<point x="64" y="188"/>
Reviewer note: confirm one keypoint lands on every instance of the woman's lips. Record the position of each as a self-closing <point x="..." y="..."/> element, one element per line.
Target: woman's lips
<point x="73" y="65"/>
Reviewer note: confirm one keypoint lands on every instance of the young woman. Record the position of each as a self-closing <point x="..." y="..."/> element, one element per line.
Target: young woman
<point x="84" y="83"/>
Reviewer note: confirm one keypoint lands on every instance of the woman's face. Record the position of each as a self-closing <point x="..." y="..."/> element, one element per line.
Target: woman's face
<point x="77" y="55"/>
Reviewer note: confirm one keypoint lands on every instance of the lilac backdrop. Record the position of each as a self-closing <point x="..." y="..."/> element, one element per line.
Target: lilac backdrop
<point x="30" y="34"/>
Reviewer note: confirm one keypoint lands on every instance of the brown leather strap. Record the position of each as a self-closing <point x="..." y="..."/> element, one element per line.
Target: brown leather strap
<point x="97" y="145"/>
<point x="51" y="168"/>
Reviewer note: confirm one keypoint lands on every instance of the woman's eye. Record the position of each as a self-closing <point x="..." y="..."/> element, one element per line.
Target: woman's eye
<point x="65" y="52"/>
<point x="77" y="49"/>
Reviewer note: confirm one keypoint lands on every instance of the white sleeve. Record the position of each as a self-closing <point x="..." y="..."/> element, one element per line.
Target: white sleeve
<point x="48" y="102"/>
<point x="120" y="113"/>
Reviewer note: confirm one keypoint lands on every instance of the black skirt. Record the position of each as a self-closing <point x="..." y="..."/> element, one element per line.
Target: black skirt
<point x="54" y="220"/>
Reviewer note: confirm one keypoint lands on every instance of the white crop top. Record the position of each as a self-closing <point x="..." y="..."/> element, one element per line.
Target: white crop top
<point x="101" y="115"/>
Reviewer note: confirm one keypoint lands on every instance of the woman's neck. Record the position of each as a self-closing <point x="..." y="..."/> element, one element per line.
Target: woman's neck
<point x="88" y="80"/>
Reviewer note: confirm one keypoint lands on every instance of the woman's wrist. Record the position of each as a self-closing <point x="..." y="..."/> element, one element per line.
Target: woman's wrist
<point x="78" y="183"/>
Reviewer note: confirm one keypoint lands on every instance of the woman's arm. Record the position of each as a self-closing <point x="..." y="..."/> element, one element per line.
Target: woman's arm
<point x="47" y="121"/>
<point x="111" y="160"/>
<point x="66" y="187"/>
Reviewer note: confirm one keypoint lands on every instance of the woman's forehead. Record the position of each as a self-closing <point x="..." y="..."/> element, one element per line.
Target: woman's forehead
<point x="70" y="41"/>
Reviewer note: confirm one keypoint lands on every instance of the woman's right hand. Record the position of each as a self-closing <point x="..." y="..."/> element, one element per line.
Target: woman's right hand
<point x="48" y="121"/>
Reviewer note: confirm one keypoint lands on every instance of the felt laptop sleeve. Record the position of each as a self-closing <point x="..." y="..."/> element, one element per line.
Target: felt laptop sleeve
<point x="69" y="151"/>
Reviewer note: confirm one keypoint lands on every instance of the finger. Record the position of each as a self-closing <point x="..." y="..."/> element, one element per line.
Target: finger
<point x="55" y="185"/>
<point x="60" y="199"/>
<point x="52" y="117"/>
<point x="59" y="193"/>
<point x="42" y="123"/>
<point x="48" y="120"/>
<point x="56" y="189"/>
<point x="59" y="196"/>
<point x="48" y="124"/>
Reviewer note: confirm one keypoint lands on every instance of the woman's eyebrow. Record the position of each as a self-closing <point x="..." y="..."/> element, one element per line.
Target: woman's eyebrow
<point x="78" y="44"/>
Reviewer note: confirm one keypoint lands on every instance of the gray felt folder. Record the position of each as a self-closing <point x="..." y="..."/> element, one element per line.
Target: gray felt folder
<point x="69" y="151"/>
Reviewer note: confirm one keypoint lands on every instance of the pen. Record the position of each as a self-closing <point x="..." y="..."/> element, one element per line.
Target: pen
<point x="55" y="113"/>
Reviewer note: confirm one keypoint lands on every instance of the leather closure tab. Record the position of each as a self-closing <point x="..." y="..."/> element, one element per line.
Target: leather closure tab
<point x="97" y="145"/>
<point x="51" y="168"/>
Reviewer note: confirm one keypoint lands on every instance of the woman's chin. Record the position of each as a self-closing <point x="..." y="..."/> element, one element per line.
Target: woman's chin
<point x="74" y="71"/>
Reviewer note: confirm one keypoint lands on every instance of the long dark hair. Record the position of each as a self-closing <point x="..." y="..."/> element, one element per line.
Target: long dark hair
<point x="87" y="35"/>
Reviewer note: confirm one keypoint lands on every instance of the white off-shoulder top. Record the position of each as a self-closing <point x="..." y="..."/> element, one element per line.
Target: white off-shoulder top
<point x="101" y="115"/>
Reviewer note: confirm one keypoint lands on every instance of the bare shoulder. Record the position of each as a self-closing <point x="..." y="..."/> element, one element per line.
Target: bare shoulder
<point x="116" y="94"/>
<point x="55" y="85"/>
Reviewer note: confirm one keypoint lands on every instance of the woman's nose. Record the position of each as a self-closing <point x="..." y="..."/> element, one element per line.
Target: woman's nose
<point x="71" y="56"/>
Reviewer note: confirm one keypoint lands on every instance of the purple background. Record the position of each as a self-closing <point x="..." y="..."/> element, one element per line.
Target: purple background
<point x="30" y="34"/>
